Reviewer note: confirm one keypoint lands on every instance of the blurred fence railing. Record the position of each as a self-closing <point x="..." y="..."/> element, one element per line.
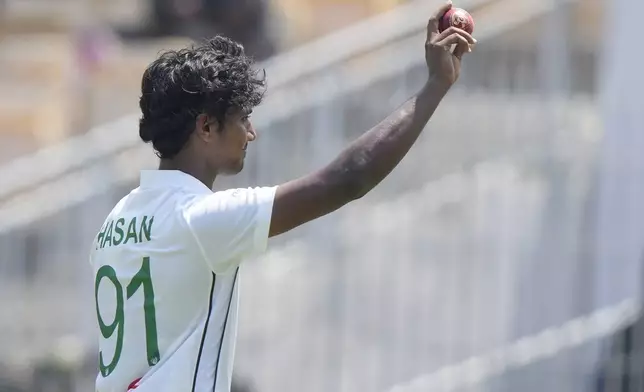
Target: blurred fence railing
<point x="396" y="35"/>
<point x="473" y="242"/>
<point x="284" y="70"/>
<point x="486" y="371"/>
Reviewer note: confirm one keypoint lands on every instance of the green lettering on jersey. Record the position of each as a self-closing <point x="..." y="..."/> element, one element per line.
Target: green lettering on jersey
<point x="131" y="232"/>
<point x="118" y="230"/>
<point x="101" y="237"/>
<point x="113" y="233"/>
<point x="108" y="236"/>
<point x="146" y="231"/>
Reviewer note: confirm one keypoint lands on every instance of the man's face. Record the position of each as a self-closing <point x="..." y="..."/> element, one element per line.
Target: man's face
<point x="228" y="149"/>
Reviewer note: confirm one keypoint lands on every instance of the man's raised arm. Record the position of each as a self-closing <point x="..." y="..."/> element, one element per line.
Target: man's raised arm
<point x="370" y="158"/>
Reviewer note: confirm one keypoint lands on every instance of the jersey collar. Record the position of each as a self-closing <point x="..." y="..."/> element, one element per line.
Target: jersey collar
<point x="171" y="178"/>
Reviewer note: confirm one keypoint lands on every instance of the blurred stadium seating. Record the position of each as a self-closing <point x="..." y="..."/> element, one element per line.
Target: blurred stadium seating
<point x="475" y="241"/>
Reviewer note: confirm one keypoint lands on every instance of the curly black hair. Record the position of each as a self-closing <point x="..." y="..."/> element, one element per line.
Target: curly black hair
<point x="214" y="78"/>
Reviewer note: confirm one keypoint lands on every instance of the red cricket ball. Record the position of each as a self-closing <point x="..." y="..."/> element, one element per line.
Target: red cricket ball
<point x="458" y="18"/>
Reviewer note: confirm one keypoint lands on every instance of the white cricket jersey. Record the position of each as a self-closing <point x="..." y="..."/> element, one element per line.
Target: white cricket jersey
<point x="166" y="266"/>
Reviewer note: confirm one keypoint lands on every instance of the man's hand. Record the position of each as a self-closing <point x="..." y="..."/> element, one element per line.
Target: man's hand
<point x="444" y="64"/>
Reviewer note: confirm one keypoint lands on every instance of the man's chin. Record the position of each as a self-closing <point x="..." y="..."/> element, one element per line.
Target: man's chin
<point x="236" y="169"/>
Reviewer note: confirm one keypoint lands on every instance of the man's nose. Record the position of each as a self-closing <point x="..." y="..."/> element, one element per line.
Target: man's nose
<point x="252" y="133"/>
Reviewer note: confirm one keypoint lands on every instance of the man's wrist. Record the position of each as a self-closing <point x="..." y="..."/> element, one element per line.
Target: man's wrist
<point x="433" y="93"/>
<point x="435" y="86"/>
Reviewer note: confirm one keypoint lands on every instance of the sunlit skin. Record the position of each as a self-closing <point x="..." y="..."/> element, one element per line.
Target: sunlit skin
<point x="212" y="150"/>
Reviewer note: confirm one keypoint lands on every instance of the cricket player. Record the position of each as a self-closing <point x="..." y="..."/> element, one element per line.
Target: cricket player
<point x="166" y="259"/>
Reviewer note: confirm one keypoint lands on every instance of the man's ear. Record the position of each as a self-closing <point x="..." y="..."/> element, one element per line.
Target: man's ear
<point x="205" y="126"/>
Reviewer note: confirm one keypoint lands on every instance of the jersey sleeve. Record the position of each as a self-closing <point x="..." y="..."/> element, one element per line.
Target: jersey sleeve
<point x="231" y="225"/>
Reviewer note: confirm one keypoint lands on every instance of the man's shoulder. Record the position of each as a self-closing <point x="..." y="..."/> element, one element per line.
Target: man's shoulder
<point x="232" y="198"/>
<point x="144" y="203"/>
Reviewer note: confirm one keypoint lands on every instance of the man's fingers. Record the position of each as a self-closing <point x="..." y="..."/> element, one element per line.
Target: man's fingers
<point x="462" y="45"/>
<point x="434" y="20"/>
<point x="454" y="30"/>
<point x="461" y="49"/>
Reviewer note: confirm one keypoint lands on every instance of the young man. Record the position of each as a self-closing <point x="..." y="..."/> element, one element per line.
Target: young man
<point x="166" y="259"/>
